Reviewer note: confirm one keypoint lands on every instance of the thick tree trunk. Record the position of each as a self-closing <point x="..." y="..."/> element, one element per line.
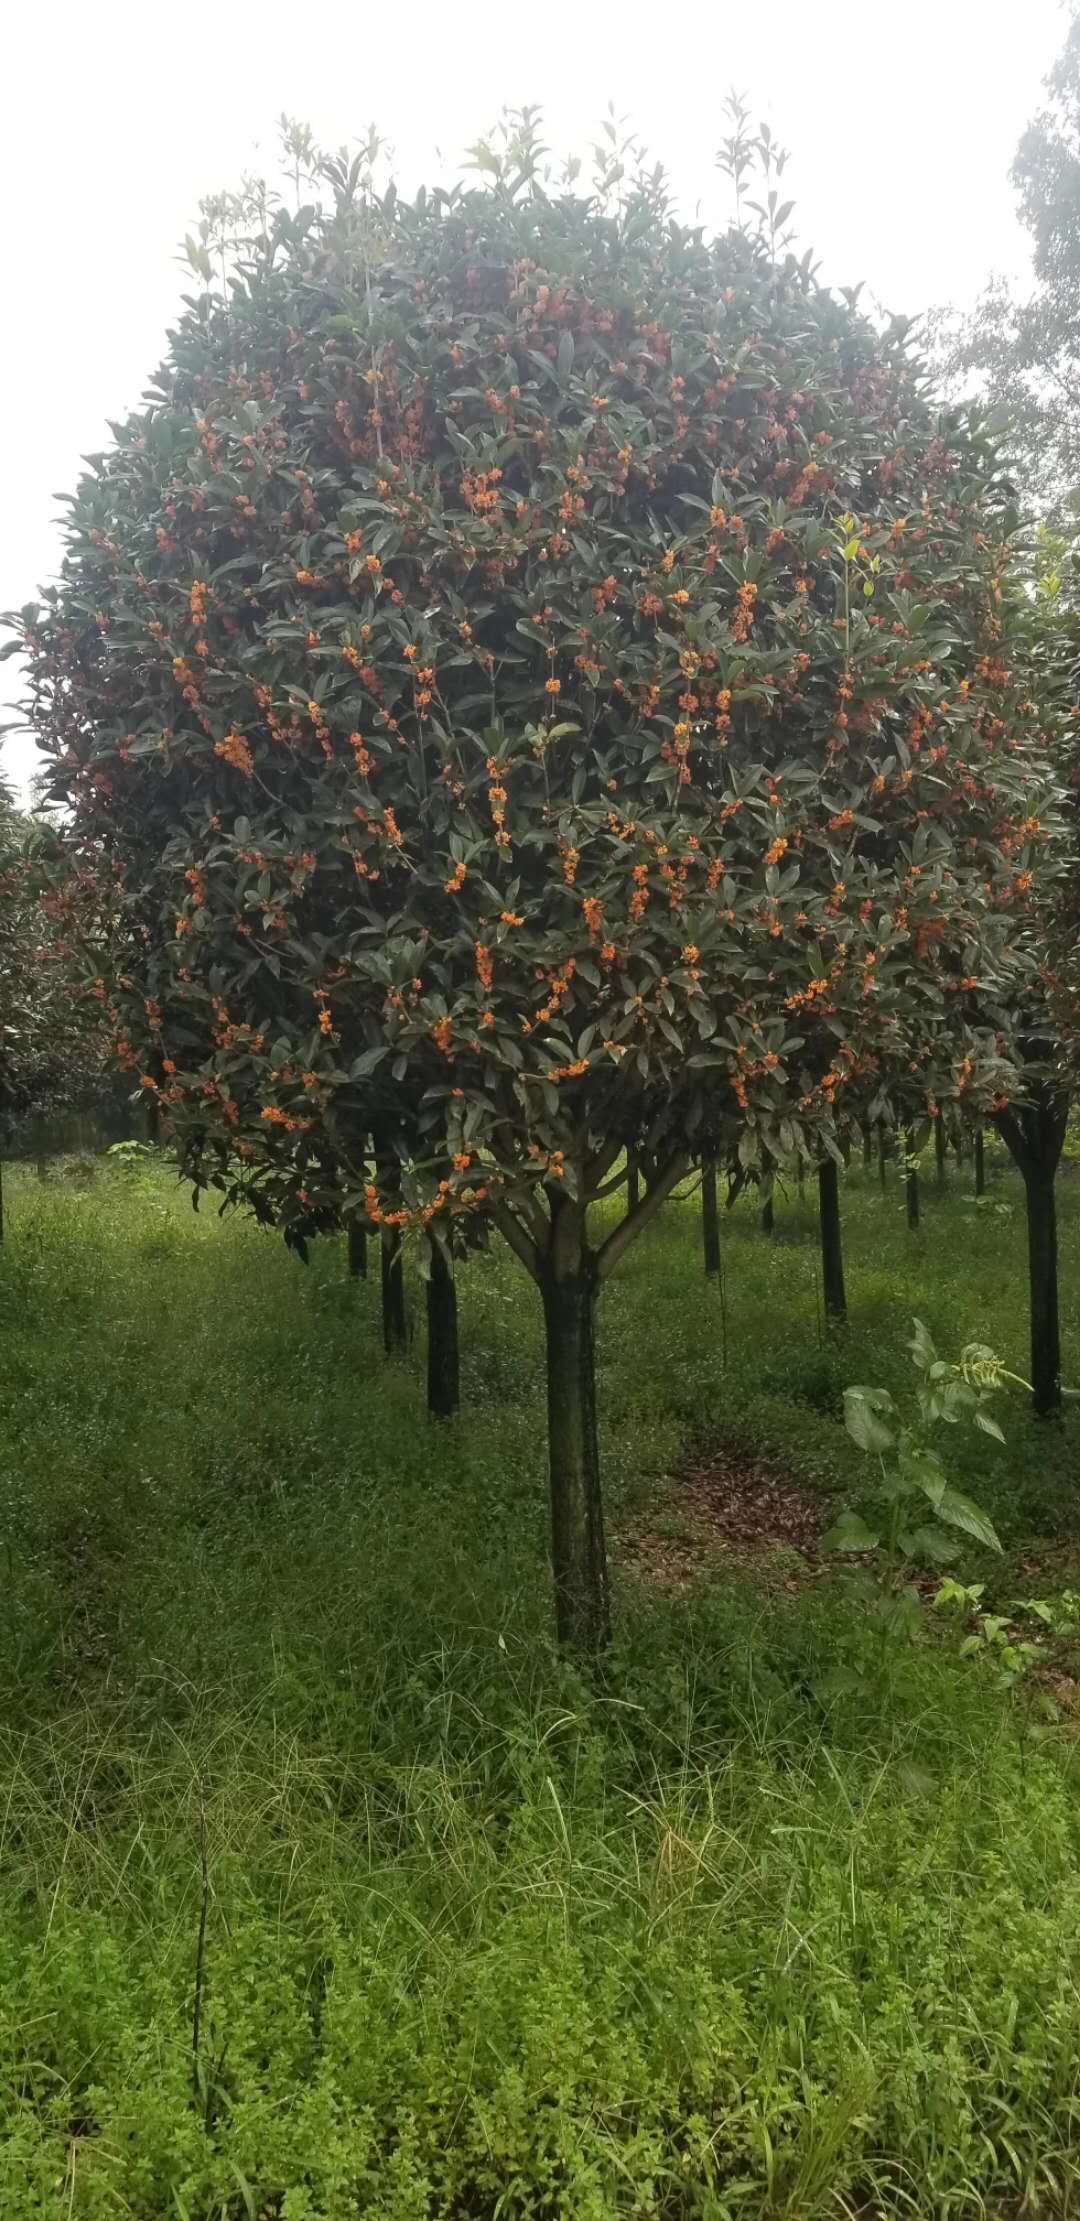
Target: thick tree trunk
<point x="1035" y="1133"/>
<point x="980" y="1162"/>
<point x="939" y="1149"/>
<point x="395" y="1322"/>
<point x="710" y="1218"/>
<point x="832" y="1253"/>
<point x="1043" y="1279"/>
<point x="633" y="1181"/>
<point x="443" y="1375"/>
<point x="578" y="1549"/>
<point x="911" y="1183"/>
<point x="357" y="1240"/>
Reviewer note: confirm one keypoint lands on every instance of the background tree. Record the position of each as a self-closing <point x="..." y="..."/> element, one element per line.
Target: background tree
<point x="1022" y="349"/>
<point x="1040" y="1015"/>
<point x="53" y="1039"/>
<point x="533" y="671"/>
<point x="1021" y="346"/>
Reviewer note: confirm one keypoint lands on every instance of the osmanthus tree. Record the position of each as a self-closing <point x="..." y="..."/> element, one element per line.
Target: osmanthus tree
<point x="533" y="667"/>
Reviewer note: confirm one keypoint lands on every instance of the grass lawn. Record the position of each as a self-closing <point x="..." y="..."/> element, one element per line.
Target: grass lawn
<point x="475" y="1936"/>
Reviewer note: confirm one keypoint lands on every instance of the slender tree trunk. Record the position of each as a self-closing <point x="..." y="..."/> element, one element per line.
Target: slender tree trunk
<point x="1043" y="1276"/>
<point x="1" y="1199"/>
<point x="357" y="1240"/>
<point x="845" y="1151"/>
<point x="768" y="1215"/>
<point x="980" y="1162"/>
<point x="867" y="1148"/>
<point x="832" y="1253"/>
<point x="443" y="1374"/>
<point x="568" y="1274"/>
<point x="1035" y="1131"/>
<point x="578" y="1550"/>
<point x="959" y="1145"/>
<point x="395" y="1322"/>
<point x="633" y="1181"/>
<point x="710" y="1218"/>
<point x="882" y="1159"/>
<point x="800" y="1176"/>
<point x="911" y="1182"/>
<point x="939" y="1149"/>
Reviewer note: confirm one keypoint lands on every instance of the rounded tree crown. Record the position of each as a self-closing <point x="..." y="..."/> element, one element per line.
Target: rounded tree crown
<point x="542" y="675"/>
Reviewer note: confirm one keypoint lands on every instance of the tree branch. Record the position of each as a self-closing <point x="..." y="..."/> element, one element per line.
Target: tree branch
<point x="599" y="1165"/>
<point x="610" y="1187"/>
<point x="1010" y="1126"/>
<point x="609" y="1253"/>
<point x="526" y="1207"/>
<point x="522" y="1244"/>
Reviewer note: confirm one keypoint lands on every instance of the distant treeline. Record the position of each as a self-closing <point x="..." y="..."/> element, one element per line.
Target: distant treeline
<point x="83" y="1127"/>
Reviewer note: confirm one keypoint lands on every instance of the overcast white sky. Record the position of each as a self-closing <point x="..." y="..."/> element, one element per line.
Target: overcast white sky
<point x="902" y="120"/>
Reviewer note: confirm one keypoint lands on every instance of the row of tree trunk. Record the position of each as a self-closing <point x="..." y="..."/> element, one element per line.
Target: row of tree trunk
<point x="1034" y="1134"/>
<point x="443" y="1351"/>
<point x="568" y="1275"/>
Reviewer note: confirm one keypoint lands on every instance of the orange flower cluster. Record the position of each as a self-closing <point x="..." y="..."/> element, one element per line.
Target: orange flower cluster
<point x="479" y="491"/>
<point x="497" y="803"/>
<point x="639" y="900"/>
<point x="805" y="996"/>
<point x="235" y="751"/>
<point x="559" y="984"/>
<point x="273" y="1115"/>
<point x="186" y="680"/>
<point x="744" y="614"/>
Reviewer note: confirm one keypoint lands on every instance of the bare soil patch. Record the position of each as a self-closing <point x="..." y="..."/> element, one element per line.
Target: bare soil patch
<point x="729" y="1509"/>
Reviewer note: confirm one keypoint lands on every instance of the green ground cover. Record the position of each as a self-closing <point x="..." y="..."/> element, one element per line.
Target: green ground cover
<point x="481" y="1938"/>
